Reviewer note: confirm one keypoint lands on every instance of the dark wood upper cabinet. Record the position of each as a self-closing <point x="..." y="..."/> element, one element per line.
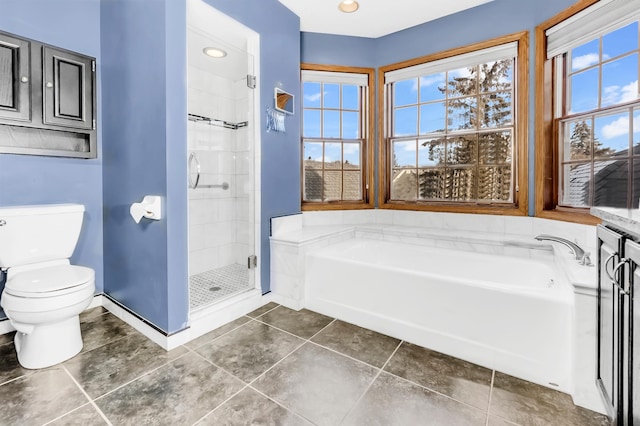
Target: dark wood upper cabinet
<point x="67" y="88"/>
<point x="15" y="78"/>
<point x="47" y="100"/>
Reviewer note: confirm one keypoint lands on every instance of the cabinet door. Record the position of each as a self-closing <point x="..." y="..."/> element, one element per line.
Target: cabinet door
<point x="68" y="82"/>
<point x="609" y="321"/>
<point x="15" y="74"/>
<point x="631" y="371"/>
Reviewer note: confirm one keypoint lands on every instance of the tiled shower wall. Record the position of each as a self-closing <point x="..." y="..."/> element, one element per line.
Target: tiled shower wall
<point x="219" y="219"/>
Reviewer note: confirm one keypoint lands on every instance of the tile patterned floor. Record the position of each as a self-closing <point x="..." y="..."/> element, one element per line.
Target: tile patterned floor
<point x="274" y="366"/>
<point x="212" y="286"/>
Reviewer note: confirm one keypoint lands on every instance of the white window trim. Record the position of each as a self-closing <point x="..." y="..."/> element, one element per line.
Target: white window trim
<point x="495" y="53"/>
<point x="333" y="77"/>
<point x="600" y="18"/>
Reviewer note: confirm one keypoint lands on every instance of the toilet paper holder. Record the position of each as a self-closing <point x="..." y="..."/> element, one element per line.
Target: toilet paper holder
<point x="150" y="207"/>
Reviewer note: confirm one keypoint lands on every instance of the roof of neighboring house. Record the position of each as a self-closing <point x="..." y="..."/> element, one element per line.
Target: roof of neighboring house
<point x="333" y="181"/>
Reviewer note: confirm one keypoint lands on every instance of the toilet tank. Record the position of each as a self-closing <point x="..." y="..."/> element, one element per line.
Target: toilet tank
<point x="33" y="234"/>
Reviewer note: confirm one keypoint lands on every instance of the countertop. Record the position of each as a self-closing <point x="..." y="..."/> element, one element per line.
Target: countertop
<point x="624" y="219"/>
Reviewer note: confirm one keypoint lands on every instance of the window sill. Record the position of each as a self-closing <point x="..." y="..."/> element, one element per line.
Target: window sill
<point x="453" y="208"/>
<point x="576" y="216"/>
<point x="307" y="207"/>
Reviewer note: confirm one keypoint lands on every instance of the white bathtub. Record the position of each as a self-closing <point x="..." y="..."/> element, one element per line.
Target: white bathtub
<point x="511" y="314"/>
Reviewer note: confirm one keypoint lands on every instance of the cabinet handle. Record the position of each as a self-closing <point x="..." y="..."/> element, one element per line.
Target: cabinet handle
<point x="616" y="275"/>
<point x="24" y="79"/>
<point x="606" y="266"/>
<point x="49" y="84"/>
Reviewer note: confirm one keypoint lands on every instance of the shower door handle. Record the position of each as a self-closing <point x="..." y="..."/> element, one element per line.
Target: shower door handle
<point x="193" y="160"/>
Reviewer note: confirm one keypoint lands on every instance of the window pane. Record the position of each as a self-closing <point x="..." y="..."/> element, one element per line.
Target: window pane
<point x="351" y="154"/>
<point x="404" y="185"/>
<point x="497" y="75"/>
<point x="331" y="96"/>
<point x="350" y="125"/>
<point x="313" y="155"/>
<point x="461" y="150"/>
<point x="462" y="113"/>
<point x="332" y="186"/>
<point x="462" y="82"/>
<point x="311" y="95"/>
<point x="432" y="87"/>
<point x="577" y="179"/>
<point x="431" y="152"/>
<point x="312" y="185"/>
<point x="495" y="148"/>
<point x="620" y="41"/>
<point x="311" y="123"/>
<point x="432" y="183"/>
<point x="331" y="125"/>
<point x="636" y="129"/>
<point x="635" y="200"/>
<point x="432" y="117"/>
<point x="332" y="155"/>
<point x="350" y="97"/>
<point x="404" y="154"/>
<point x="586" y="55"/>
<point x="494" y="184"/>
<point x="405" y="92"/>
<point x="461" y="184"/>
<point x="578" y="140"/>
<point x="620" y="81"/>
<point x="611" y="183"/>
<point x="611" y="134"/>
<point x="352" y="186"/>
<point x="495" y="110"/>
<point x="584" y="91"/>
<point x="405" y="121"/>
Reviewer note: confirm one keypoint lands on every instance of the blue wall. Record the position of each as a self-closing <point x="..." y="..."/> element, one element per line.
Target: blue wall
<point x="484" y="22"/>
<point x="279" y="30"/>
<point x="26" y="179"/>
<point x="144" y="67"/>
<point x="144" y="133"/>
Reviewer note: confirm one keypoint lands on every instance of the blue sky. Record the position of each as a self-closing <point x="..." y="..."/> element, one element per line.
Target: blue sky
<point x="619" y="84"/>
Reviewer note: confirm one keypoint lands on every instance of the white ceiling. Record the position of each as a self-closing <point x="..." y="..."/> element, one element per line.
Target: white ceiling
<point x="375" y="18"/>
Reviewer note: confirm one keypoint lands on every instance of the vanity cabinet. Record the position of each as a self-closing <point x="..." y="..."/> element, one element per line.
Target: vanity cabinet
<point x="47" y="99"/>
<point x="618" y="367"/>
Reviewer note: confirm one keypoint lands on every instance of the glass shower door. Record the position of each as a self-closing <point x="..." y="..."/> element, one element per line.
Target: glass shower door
<point x="221" y="173"/>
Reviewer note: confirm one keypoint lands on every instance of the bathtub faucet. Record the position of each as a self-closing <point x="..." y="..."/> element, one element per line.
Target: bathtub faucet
<point x="581" y="256"/>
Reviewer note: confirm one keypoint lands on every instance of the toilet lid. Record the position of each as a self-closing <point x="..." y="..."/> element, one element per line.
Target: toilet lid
<point x="45" y="282"/>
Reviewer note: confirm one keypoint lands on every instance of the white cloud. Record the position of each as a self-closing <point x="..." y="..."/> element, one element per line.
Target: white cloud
<point x="584" y="61"/>
<point x="351" y="148"/>
<point x="314" y="97"/>
<point x="619" y="127"/>
<point x="614" y="95"/>
<point x="429" y="80"/>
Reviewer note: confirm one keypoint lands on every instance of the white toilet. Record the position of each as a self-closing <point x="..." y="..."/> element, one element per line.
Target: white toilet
<point x="44" y="294"/>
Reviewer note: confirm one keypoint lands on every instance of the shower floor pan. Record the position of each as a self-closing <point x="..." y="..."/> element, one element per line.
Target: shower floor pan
<point x="217" y="284"/>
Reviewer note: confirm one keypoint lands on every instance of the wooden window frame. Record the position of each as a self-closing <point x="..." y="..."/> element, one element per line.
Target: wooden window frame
<point x="367" y="146"/>
<point x="546" y="143"/>
<point x="519" y="207"/>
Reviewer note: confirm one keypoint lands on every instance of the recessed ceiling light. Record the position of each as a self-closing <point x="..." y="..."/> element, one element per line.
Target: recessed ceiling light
<point x="348" y="6"/>
<point x="214" y="52"/>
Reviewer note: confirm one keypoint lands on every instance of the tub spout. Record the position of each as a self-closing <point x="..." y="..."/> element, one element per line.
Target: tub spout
<point x="579" y="254"/>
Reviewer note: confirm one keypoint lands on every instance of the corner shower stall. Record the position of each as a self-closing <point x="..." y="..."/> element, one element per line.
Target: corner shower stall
<point x="221" y="153"/>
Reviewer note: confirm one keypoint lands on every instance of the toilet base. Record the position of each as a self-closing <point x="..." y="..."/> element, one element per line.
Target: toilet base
<point x="49" y="344"/>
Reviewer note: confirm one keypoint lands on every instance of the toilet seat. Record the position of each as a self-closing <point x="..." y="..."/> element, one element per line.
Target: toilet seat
<point x="49" y="281"/>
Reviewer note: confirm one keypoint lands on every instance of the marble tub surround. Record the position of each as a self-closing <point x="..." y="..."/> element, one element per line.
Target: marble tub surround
<point x="295" y="236"/>
<point x="341" y="375"/>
